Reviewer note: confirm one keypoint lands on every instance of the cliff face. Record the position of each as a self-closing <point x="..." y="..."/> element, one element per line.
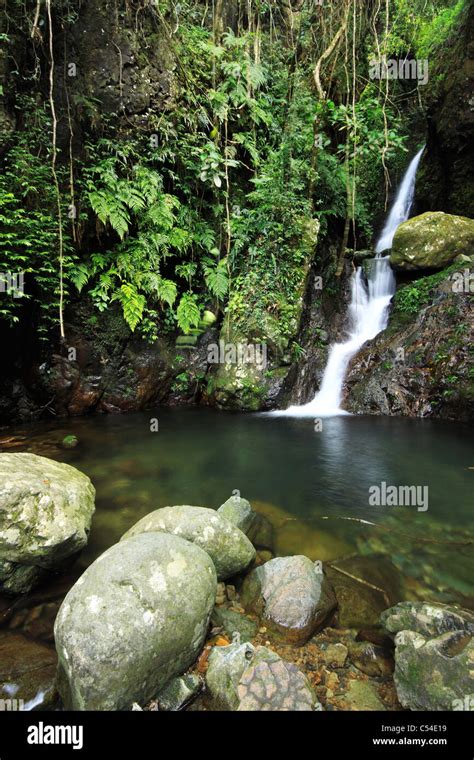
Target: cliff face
<point x="421" y="365"/>
<point x="445" y="180"/>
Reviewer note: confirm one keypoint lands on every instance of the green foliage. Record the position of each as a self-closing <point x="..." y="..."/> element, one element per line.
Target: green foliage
<point x="434" y="32"/>
<point x="129" y="201"/>
<point x="222" y="208"/>
<point x="411" y="298"/>
<point x="29" y="227"/>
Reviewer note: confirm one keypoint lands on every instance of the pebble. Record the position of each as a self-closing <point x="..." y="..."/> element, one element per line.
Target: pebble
<point x="336" y="654"/>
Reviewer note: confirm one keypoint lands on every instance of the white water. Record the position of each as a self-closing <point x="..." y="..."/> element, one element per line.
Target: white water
<point x="400" y="210"/>
<point x="368" y="309"/>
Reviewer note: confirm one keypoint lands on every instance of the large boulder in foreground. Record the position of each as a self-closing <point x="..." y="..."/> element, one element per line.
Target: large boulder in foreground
<point x="46" y="509"/>
<point x="291" y="595"/>
<point x="136" y="618"/>
<point x="434" y="655"/>
<point x="252" y="679"/>
<point x="431" y="241"/>
<point x="229" y="548"/>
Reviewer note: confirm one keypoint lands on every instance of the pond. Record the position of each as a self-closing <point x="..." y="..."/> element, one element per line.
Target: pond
<point x="316" y="486"/>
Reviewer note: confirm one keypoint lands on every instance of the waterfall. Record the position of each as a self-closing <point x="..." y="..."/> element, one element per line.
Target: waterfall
<point x="400" y="210"/>
<point x="368" y="309"/>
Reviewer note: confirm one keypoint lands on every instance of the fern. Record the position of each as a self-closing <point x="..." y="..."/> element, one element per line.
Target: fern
<point x="216" y="277"/>
<point x="187" y="313"/>
<point x="79" y="275"/>
<point x="133" y="304"/>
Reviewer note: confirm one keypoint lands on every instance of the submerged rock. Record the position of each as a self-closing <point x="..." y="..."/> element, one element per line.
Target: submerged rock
<point x="27" y="671"/>
<point x="291" y="595"/>
<point x="246" y="678"/>
<point x="431" y="241"/>
<point x="70" y="441"/>
<point x="364" y="587"/>
<point x="136" y="618"/>
<point x="229" y="548"/>
<point x="45" y="514"/>
<point x="434" y="655"/>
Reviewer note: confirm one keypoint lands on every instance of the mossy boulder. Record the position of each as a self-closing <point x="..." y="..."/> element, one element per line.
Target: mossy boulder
<point x="229" y="548"/>
<point x="46" y="509"/>
<point x="434" y="674"/>
<point x="134" y="620"/>
<point x="434" y="655"/>
<point x="431" y="241"/>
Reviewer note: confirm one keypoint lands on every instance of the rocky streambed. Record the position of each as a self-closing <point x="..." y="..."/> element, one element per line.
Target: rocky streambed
<point x="192" y="610"/>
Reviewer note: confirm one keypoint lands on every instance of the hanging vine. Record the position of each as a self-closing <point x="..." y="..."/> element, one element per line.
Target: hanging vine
<point x="54" y="172"/>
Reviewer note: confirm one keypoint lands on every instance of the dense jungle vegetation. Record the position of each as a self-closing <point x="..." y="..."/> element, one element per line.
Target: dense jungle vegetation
<point x="270" y="134"/>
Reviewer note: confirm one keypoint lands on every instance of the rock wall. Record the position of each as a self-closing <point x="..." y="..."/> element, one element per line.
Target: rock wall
<point x="445" y="177"/>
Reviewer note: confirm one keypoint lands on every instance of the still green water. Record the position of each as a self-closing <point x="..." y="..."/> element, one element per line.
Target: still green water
<point x="313" y="485"/>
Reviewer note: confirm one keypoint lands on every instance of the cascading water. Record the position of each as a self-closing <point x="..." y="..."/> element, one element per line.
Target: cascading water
<point x="368" y="309"/>
<point x="400" y="210"/>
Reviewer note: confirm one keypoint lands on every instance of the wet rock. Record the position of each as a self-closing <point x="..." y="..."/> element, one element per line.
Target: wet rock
<point x="179" y="693"/>
<point x="36" y="622"/>
<point x="291" y="595"/>
<point x="371" y="659"/>
<point x="336" y="655"/>
<point x="275" y="686"/>
<point x="364" y="587"/>
<point x="135" y="619"/>
<point x="434" y="654"/>
<point x="245" y="678"/>
<point x="229" y="548"/>
<point x="233" y="622"/>
<point x="27" y="671"/>
<point x="45" y="514"/>
<point x="361" y="695"/>
<point x="434" y="674"/>
<point x="427" y="619"/>
<point x="19" y="579"/>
